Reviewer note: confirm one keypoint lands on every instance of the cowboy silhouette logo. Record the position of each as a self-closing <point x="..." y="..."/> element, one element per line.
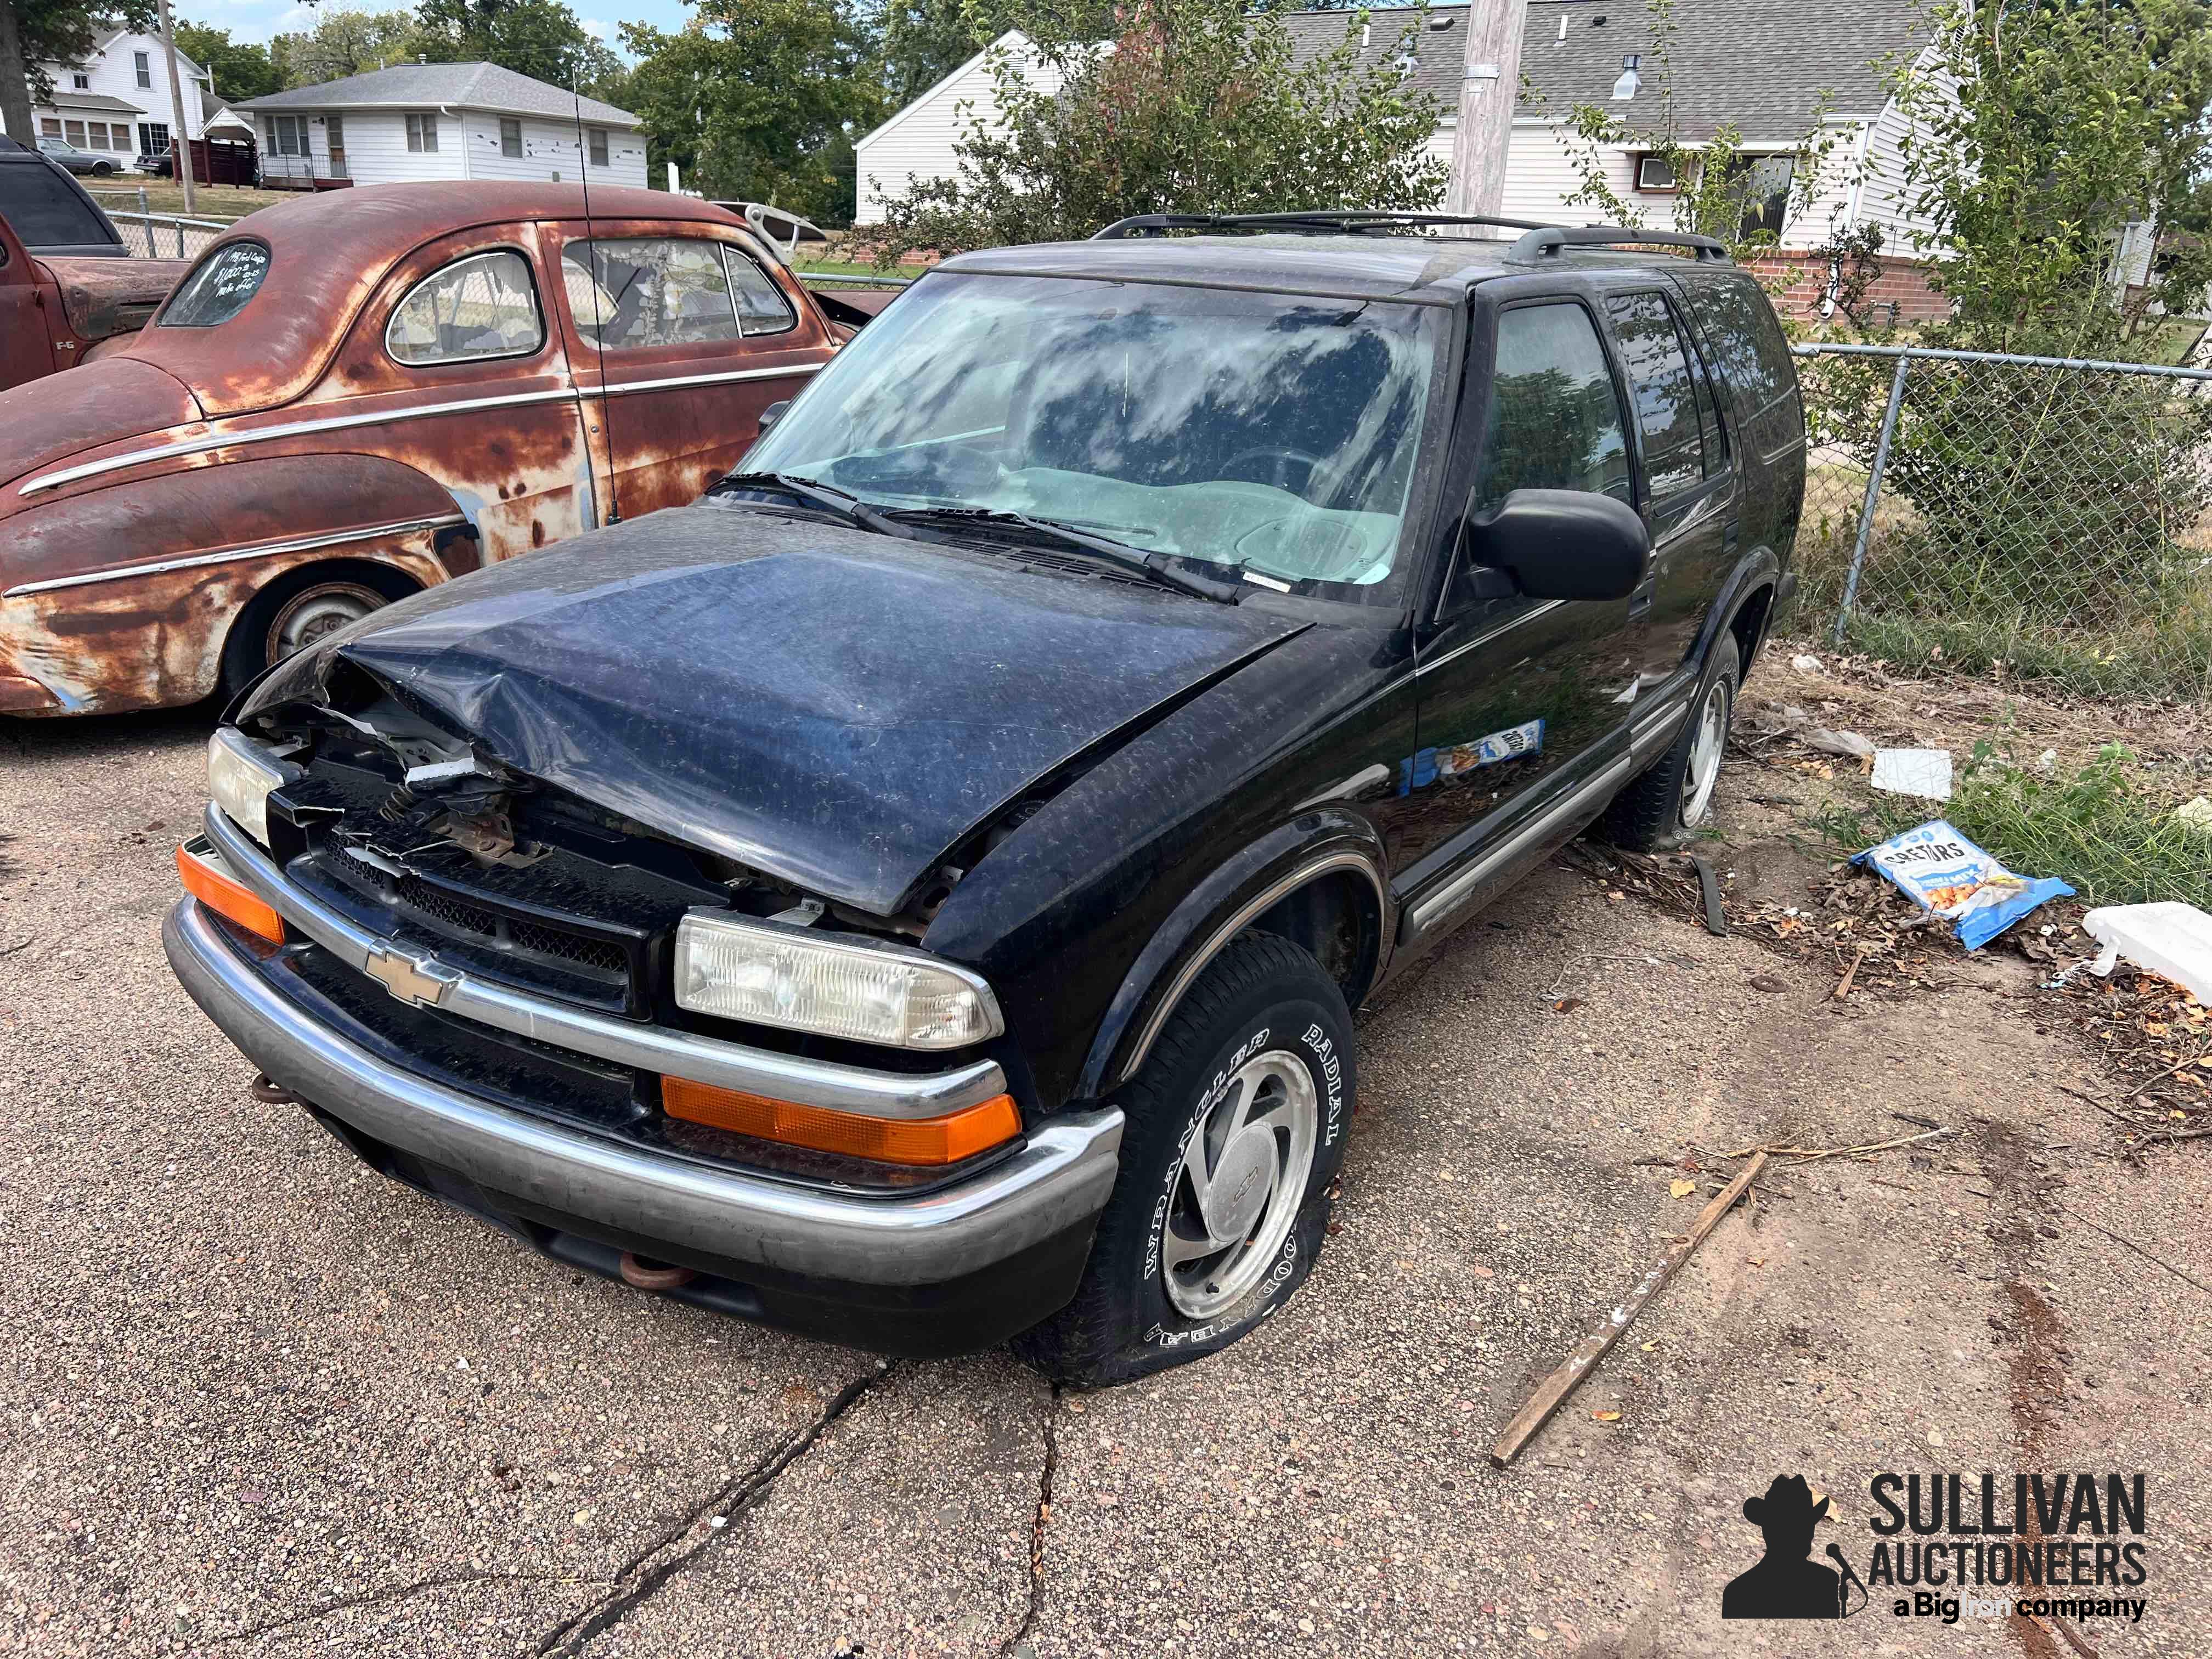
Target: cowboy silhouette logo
<point x="1785" y="1584"/>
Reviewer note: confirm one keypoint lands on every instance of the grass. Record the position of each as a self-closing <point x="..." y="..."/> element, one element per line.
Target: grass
<point x="166" y="195"/>
<point x="854" y="268"/>
<point x="2170" y="342"/>
<point x="2095" y="827"/>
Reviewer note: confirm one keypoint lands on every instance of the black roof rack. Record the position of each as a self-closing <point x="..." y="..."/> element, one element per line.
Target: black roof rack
<point x="1546" y="241"/>
<point x="1357" y="222"/>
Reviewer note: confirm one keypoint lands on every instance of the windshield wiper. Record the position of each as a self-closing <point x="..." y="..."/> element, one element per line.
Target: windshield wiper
<point x="826" y="498"/>
<point x="1152" y="567"/>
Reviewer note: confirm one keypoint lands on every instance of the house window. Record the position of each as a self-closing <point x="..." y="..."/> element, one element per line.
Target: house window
<point x="82" y="83"/>
<point x="95" y="135"/>
<point x="74" y="132"/>
<point x="139" y="62"/>
<point x="288" y="133"/>
<point x="599" y="147"/>
<point x="1654" y="174"/>
<point x="510" y="137"/>
<point x="153" y="138"/>
<point x="1766" y="191"/>
<point x="50" y="127"/>
<point x="422" y="135"/>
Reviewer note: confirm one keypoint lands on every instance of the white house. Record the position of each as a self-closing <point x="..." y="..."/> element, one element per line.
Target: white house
<point x="1770" y="68"/>
<point x="117" y="101"/>
<point x="419" y="121"/>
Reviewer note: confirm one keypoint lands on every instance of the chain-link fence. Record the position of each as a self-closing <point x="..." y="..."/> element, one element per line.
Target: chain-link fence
<point x="2044" y="516"/>
<point x="165" y="236"/>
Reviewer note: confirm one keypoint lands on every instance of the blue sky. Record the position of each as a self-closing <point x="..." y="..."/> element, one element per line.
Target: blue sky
<point x="258" y="20"/>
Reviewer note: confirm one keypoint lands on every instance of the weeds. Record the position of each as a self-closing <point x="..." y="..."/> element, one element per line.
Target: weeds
<point x="2094" y="827"/>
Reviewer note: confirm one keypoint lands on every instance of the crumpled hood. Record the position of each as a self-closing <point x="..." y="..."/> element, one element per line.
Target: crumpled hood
<point x="833" y="707"/>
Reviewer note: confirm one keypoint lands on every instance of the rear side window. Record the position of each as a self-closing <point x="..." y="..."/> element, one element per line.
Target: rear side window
<point x="1555" y="418"/>
<point x="761" y="308"/>
<point x="1744" y="338"/>
<point x="46" y="211"/>
<point x="218" y="290"/>
<point x="632" y="295"/>
<point x="1665" y="390"/>
<point x="485" y="306"/>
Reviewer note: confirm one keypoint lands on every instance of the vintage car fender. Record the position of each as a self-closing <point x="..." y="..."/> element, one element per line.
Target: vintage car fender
<point x="123" y="597"/>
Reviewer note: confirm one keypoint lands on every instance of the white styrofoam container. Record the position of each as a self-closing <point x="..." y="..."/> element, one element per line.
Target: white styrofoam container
<point x="2172" y="940"/>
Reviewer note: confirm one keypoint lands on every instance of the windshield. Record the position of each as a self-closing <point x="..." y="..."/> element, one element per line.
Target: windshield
<point x="1277" y="433"/>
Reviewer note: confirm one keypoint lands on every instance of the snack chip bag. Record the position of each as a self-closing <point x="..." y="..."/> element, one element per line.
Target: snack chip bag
<point x="1942" y="871"/>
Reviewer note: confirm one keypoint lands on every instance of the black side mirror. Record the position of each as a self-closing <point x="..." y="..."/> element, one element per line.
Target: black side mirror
<point x="772" y="413"/>
<point x="1563" y="544"/>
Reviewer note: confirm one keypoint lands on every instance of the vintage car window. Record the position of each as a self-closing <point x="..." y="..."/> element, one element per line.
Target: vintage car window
<point x="761" y="308"/>
<point x="485" y="306"/>
<point x="1555" y="419"/>
<point x="218" y="291"/>
<point x="634" y="294"/>
<point x="1275" y="433"/>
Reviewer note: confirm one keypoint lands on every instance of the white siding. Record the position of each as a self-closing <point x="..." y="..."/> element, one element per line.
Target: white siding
<point x="376" y="147"/>
<point x="918" y="142"/>
<point x="549" y="149"/>
<point x="114" y="72"/>
<point x="1883" y="201"/>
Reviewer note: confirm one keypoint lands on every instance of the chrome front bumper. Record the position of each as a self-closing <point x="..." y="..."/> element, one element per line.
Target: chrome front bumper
<point x="1058" y="1180"/>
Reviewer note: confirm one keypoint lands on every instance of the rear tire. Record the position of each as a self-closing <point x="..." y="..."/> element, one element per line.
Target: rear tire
<point x="1674" y="799"/>
<point x="1237" y="1129"/>
<point x="299" y="608"/>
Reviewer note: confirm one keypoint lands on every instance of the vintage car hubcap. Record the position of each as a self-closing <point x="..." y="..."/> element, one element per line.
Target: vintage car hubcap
<point x="1241" y="1183"/>
<point x="1704" y="768"/>
<point x="318" y="611"/>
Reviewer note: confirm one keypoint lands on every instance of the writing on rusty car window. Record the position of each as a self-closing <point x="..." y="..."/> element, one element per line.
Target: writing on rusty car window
<point x="218" y="290"/>
<point x="637" y="292"/>
<point x="483" y="306"/>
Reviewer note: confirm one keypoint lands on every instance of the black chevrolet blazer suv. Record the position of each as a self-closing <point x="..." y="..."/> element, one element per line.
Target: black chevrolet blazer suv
<point x="917" y="894"/>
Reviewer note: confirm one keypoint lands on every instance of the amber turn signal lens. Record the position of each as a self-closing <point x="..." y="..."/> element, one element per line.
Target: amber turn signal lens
<point x="922" y="1140"/>
<point x="221" y="893"/>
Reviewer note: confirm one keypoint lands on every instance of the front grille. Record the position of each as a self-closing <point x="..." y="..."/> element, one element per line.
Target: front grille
<point x="598" y="954"/>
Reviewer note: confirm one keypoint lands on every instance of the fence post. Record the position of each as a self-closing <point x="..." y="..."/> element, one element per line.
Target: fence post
<point x="1872" y="490"/>
<point x="145" y="212"/>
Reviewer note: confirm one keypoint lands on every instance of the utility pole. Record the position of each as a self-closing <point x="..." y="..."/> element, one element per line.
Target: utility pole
<point x="1489" y="88"/>
<point x="180" y="141"/>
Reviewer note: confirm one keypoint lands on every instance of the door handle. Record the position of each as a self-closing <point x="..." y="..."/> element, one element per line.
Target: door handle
<point x="1640" y="602"/>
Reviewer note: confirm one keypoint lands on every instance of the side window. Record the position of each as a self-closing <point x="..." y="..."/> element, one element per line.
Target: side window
<point x="1712" y="429"/>
<point x="1745" y="339"/>
<point x="1555" y="418"/>
<point x="761" y="308"/>
<point x="1665" y="390"/>
<point x="631" y="294"/>
<point x="485" y="306"/>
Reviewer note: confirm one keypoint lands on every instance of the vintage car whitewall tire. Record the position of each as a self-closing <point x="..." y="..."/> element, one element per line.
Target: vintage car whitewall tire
<point x="1237" y="1129"/>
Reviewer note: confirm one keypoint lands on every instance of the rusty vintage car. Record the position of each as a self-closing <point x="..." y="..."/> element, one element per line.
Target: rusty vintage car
<point x="356" y="395"/>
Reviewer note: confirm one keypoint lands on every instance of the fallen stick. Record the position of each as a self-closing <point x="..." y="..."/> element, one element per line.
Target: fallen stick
<point x="1847" y="1152"/>
<point x="1709" y="891"/>
<point x="1843" y="986"/>
<point x="1560" y="1383"/>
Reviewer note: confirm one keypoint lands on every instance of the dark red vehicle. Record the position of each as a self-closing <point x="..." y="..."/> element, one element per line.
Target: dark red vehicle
<point x="354" y="396"/>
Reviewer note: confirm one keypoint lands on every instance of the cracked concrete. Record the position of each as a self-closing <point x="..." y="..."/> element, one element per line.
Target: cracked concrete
<point x="261" y="1402"/>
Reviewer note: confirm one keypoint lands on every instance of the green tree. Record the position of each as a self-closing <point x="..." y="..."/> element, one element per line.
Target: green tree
<point x="758" y="99"/>
<point x="341" y="44"/>
<point x="1198" y="107"/>
<point x="541" y="39"/>
<point x="241" y="69"/>
<point x="36" y="32"/>
<point x="922" y="41"/>
<point x="2043" y="129"/>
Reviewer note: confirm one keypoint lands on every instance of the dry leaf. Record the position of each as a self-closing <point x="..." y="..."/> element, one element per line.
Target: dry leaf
<point x="1682" y="1188"/>
<point x="1606" y="1417"/>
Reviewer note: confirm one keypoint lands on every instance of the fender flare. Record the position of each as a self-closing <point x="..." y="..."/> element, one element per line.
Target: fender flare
<point x="1310" y="848"/>
<point x="1757" y="568"/>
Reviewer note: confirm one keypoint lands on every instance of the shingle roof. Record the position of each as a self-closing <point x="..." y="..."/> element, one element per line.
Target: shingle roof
<point x="465" y="86"/>
<point x="71" y="100"/>
<point x="1763" y="64"/>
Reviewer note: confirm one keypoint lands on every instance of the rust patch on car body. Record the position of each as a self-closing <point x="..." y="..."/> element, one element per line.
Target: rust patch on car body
<point x="230" y="454"/>
<point x="101" y="298"/>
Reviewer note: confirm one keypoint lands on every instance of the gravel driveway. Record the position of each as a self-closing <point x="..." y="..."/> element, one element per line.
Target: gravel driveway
<point x="259" y="1401"/>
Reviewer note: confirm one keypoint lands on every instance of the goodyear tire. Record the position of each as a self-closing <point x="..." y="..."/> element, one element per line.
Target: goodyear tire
<point x="1238" y="1126"/>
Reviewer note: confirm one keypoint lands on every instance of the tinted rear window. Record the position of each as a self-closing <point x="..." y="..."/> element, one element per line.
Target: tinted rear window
<point x="1741" y="333"/>
<point x="45" y="211"/>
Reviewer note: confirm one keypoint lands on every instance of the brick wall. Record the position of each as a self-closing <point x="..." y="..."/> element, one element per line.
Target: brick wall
<point x="1902" y="282"/>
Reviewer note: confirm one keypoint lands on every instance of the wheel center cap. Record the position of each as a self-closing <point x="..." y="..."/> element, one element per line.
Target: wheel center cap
<point x="1243" y="1180"/>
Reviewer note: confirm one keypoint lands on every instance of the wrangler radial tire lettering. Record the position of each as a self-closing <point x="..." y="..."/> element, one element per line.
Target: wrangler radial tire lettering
<point x="1238" y="1126"/>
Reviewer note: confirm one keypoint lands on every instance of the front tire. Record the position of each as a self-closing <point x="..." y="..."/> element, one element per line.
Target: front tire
<point x="299" y="608"/>
<point x="1674" y="799"/>
<point x="1237" y="1129"/>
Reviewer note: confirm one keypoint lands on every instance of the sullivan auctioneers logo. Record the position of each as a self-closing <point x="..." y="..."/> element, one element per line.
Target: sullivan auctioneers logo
<point x="2067" y="1546"/>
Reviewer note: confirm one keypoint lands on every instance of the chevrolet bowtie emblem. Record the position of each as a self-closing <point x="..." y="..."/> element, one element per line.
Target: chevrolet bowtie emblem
<point x="411" y="979"/>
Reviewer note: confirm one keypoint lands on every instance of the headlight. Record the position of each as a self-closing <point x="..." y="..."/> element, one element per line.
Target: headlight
<point x="240" y="774"/>
<point x="773" y="975"/>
